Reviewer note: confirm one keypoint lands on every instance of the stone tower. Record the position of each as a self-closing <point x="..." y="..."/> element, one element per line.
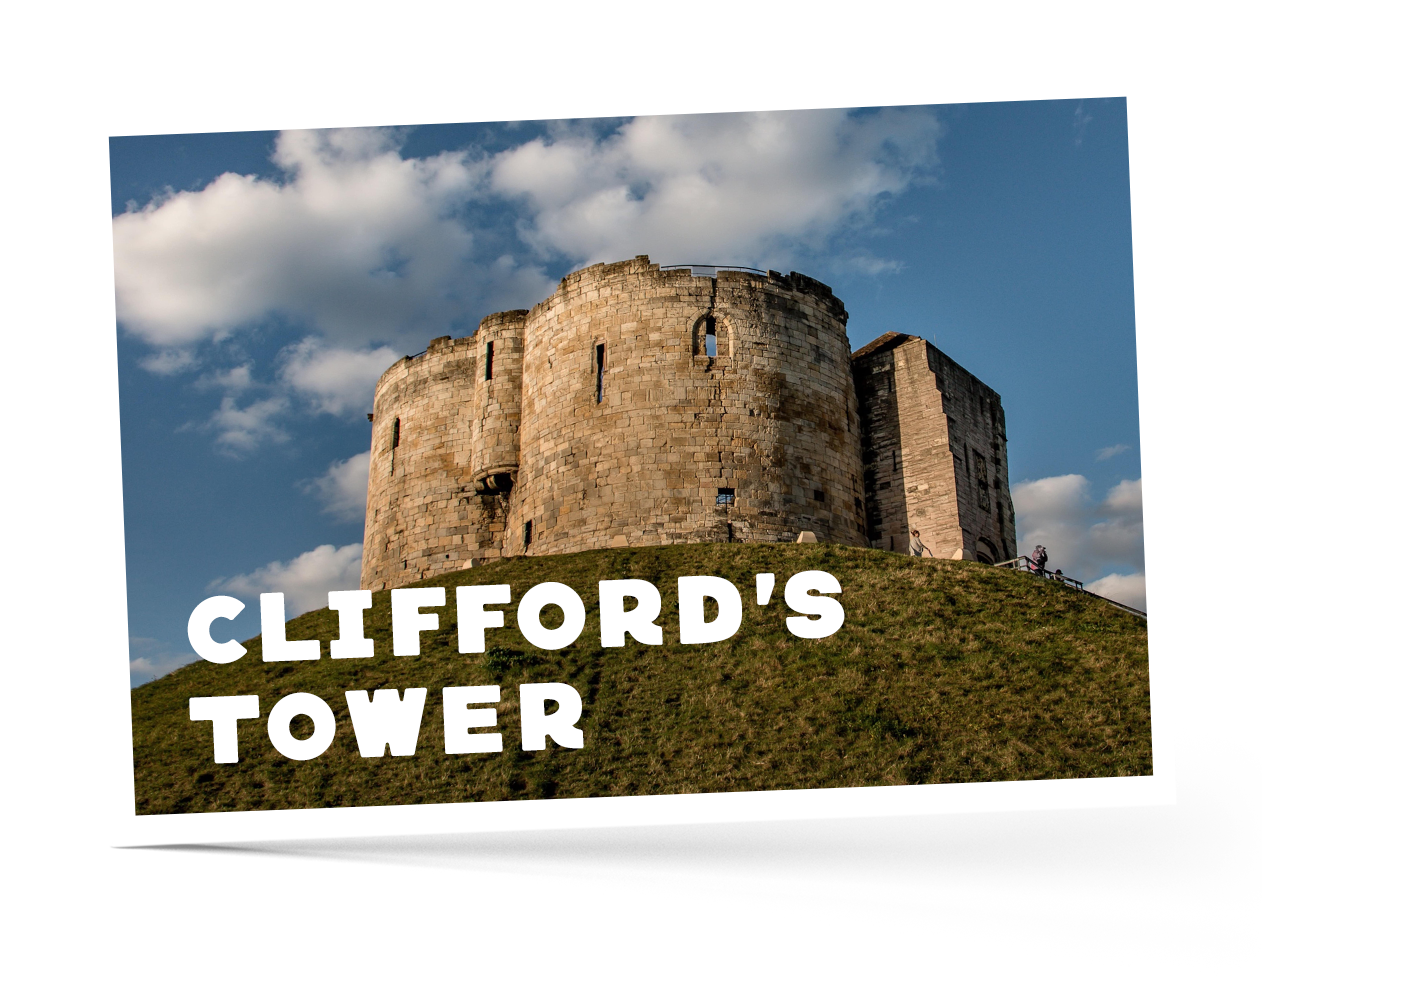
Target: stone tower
<point x="645" y="406"/>
<point x="633" y="406"/>
<point x="935" y="447"/>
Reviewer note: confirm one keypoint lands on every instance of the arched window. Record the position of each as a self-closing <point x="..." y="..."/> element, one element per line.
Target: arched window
<point x="710" y="340"/>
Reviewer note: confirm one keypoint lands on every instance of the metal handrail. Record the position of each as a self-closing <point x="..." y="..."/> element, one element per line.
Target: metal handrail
<point x="692" y="266"/>
<point x="1024" y="564"/>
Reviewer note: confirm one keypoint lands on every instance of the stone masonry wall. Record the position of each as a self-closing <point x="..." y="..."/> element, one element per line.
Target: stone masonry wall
<point x="934" y="452"/>
<point x="978" y="445"/>
<point x="639" y="406"/>
<point x="498" y="395"/>
<point x="645" y="450"/>
<point x="423" y="514"/>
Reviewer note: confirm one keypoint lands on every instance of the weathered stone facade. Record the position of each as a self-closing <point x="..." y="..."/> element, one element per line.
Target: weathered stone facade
<point x="935" y="447"/>
<point x="645" y="406"/>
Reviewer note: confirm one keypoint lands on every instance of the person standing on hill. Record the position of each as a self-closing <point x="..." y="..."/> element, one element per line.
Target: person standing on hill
<point x="917" y="547"/>
<point x="1039" y="559"/>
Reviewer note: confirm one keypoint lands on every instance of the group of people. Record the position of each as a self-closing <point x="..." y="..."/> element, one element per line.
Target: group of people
<point x="1037" y="561"/>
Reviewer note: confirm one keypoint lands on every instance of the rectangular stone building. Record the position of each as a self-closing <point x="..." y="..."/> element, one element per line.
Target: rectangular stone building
<point x="934" y="452"/>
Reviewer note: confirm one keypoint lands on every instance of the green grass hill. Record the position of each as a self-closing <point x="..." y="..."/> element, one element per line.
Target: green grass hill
<point x="944" y="672"/>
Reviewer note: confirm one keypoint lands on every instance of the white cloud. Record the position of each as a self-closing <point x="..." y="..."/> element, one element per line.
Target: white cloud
<point x="342" y="490"/>
<point x="1129" y="590"/>
<point x="233" y="381"/>
<point x="354" y="240"/>
<point x="368" y="247"/>
<point x="1111" y="452"/>
<point x="371" y="254"/>
<point x="336" y="380"/>
<point x="1126" y="498"/>
<point x="242" y="429"/>
<point x="143" y="669"/>
<point x="169" y="361"/>
<point x="305" y="580"/>
<point x="740" y="188"/>
<point x="1085" y="538"/>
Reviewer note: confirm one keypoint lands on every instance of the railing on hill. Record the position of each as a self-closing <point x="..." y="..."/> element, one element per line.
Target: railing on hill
<point x="1024" y="564"/>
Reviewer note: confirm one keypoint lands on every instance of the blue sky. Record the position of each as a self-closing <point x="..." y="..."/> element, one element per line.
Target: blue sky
<point x="265" y="279"/>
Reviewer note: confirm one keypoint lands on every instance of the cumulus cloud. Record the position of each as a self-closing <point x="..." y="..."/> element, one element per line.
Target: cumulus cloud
<point x="367" y="247"/>
<point x="1087" y="538"/>
<point x="336" y="380"/>
<point x="233" y="381"/>
<point x="304" y="580"/>
<point x="151" y="657"/>
<point x="342" y="490"/>
<point x="368" y="254"/>
<point x="242" y="429"/>
<point x="713" y="187"/>
<point x="354" y="240"/>
<point x="1129" y="590"/>
<point x="169" y="361"/>
<point x="1111" y="452"/>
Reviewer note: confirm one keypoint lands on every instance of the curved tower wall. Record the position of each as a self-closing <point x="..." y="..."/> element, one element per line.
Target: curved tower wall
<point x="423" y="515"/>
<point x="641" y="453"/>
<point x="494" y="419"/>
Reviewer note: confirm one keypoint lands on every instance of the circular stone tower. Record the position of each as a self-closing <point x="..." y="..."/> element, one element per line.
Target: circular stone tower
<point x="663" y="407"/>
<point x="633" y="406"/>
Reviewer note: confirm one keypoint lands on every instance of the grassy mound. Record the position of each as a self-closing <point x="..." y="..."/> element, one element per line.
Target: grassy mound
<point x="944" y="672"/>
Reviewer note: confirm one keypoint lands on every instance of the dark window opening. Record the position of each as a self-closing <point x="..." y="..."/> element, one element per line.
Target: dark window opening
<point x="894" y="460"/>
<point x="601" y="361"/>
<point x="819" y="495"/>
<point x="396" y="432"/>
<point x="527" y="533"/>
<point x="884" y="486"/>
<point x="711" y="338"/>
<point x="489" y="361"/>
<point x="724" y="497"/>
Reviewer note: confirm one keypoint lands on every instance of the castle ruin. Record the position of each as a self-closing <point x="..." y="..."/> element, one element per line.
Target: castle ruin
<point x="646" y="406"/>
